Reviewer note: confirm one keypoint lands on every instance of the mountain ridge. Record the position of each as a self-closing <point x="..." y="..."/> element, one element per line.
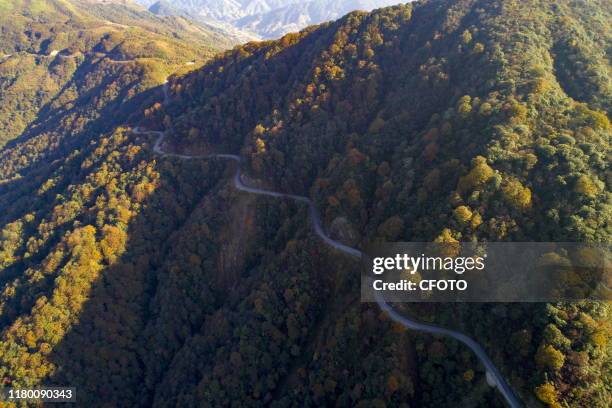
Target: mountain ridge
<point x="266" y="18"/>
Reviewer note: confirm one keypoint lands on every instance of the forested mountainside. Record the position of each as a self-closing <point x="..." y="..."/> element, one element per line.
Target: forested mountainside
<point x="149" y="281"/>
<point x="461" y="120"/>
<point x="49" y="46"/>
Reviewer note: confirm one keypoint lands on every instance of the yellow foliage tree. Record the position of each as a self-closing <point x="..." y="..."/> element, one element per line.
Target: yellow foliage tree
<point x="547" y="394"/>
<point x="113" y="242"/>
<point x="481" y="173"/>
<point x="586" y="186"/>
<point x="463" y="215"/>
<point x="517" y="195"/>
<point x="476" y="221"/>
<point x="464" y="107"/>
<point x="260" y="145"/>
<point x="450" y="245"/>
<point x="549" y="357"/>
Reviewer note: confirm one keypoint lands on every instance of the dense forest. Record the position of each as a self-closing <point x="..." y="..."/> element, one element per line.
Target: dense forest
<point x="150" y="281"/>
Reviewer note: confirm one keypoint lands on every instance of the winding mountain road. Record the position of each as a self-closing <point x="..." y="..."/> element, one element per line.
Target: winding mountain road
<point x="493" y="374"/>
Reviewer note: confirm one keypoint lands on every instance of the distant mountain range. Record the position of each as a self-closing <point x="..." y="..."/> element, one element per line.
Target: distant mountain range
<point x="252" y="19"/>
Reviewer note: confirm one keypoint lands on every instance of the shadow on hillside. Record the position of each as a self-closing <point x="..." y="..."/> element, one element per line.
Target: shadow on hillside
<point x="15" y="194"/>
<point x="48" y="115"/>
<point x="58" y="131"/>
<point x="101" y="354"/>
<point x="18" y="197"/>
<point x="113" y="354"/>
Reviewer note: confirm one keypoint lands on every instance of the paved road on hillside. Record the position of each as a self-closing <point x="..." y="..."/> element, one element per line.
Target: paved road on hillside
<point x="57" y="53"/>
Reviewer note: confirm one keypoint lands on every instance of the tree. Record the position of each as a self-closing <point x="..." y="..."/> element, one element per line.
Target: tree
<point x="463" y="215"/>
<point x="549" y="358"/>
<point x="554" y="336"/>
<point x="476" y="221"/>
<point x="547" y="394"/>
<point x="464" y="106"/>
<point x="517" y="111"/>
<point x="391" y="228"/>
<point x="449" y="246"/>
<point x="113" y="242"/>
<point x="586" y="186"/>
<point x="481" y="172"/>
<point x="260" y="145"/>
<point x="516" y="194"/>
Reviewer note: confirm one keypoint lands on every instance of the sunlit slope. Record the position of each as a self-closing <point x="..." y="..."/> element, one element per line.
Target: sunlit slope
<point x="46" y="44"/>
